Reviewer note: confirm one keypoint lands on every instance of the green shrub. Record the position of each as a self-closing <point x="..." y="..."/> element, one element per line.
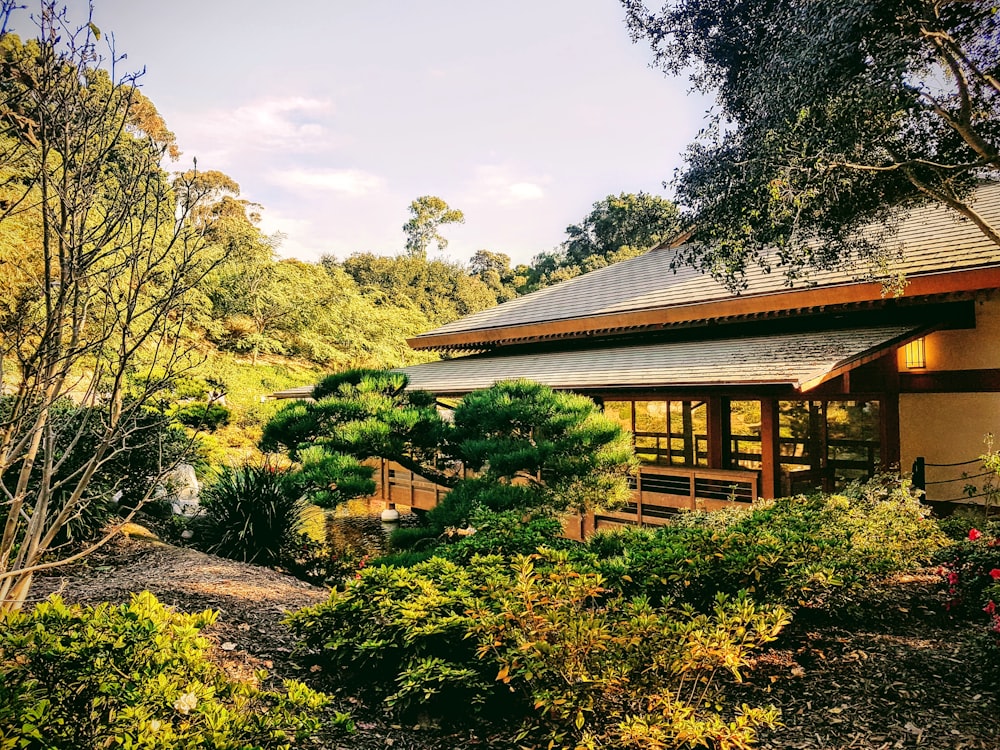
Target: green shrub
<point x="131" y="467"/>
<point x="406" y="558"/>
<point x="202" y="416"/>
<point x="252" y="513"/>
<point x="135" y="676"/>
<point x="791" y="551"/>
<point x="541" y="639"/>
<point x="958" y="525"/>
<point x="506" y="533"/>
<point x="408" y="537"/>
<point x="390" y="623"/>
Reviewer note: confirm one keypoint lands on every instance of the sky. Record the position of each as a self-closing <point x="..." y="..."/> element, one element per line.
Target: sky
<point x="335" y="115"/>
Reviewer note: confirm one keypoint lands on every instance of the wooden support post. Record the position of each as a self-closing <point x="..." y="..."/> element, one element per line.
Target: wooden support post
<point x="638" y="497"/>
<point x="770" y="448"/>
<point x="719" y="433"/>
<point x="889" y="413"/>
<point x="687" y="428"/>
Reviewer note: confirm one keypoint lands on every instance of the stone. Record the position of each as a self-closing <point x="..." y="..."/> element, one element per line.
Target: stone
<point x="180" y="488"/>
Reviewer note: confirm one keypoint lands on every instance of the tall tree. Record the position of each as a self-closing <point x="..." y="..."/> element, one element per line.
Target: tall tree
<point x="832" y="115"/>
<point x="427" y="214"/>
<point x="96" y="301"/>
<point x="494" y="270"/>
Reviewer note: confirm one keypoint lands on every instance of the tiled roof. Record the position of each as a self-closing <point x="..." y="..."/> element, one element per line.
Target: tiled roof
<point x="800" y="360"/>
<point x="932" y="240"/>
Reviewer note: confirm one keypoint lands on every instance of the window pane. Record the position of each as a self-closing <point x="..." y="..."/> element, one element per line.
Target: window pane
<point x="620" y="412"/>
<point x="744" y="427"/>
<point x="651" y="416"/>
<point x="853" y="431"/>
<point x="689" y="433"/>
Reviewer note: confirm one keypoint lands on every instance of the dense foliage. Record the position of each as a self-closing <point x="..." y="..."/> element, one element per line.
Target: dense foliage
<point x="627" y="640"/>
<point x="101" y="259"/>
<point x="972" y="573"/>
<point x="617" y="228"/>
<point x="135" y="676"/>
<point x="795" y="551"/>
<point x="830" y="115"/>
<point x="542" y="639"/>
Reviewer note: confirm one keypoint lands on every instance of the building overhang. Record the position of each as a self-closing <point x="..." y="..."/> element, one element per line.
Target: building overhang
<point x="799" y="361"/>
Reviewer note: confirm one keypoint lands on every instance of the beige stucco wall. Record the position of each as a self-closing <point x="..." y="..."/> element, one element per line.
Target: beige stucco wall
<point x="950" y="427"/>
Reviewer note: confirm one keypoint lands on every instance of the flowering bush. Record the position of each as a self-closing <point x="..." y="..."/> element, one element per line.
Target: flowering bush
<point x="135" y="676"/>
<point x="971" y="570"/>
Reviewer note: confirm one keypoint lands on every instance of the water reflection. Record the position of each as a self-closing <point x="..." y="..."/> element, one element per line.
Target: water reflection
<point x="356" y="527"/>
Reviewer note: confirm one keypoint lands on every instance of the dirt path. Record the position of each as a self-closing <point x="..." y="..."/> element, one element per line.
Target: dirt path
<point x="899" y="673"/>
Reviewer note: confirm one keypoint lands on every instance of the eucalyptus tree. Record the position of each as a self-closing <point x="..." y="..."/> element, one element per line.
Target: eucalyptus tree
<point x="97" y="287"/>
<point x="427" y="214"/>
<point x="831" y="116"/>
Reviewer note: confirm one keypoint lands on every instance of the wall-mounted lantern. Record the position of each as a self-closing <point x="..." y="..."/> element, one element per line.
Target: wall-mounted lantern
<point x="915" y="354"/>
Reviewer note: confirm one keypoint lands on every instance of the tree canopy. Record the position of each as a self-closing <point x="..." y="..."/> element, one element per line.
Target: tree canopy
<point x="832" y="116"/>
<point x="532" y="447"/>
<point x="101" y="263"/>
<point x="618" y="227"/>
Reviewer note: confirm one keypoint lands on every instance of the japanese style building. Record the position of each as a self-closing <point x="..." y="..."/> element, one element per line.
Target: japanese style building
<point x="772" y="391"/>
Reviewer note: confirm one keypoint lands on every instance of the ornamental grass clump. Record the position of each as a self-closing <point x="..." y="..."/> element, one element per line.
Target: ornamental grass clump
<point x="543" y="639"/>
<point x="136" y="676"/>
<point x="253" y="513"/>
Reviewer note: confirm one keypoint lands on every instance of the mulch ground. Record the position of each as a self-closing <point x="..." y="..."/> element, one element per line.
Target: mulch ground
<point x="896" y="673"/>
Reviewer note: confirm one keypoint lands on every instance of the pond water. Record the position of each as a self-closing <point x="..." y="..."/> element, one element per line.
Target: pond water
<point x="357" y="527"/>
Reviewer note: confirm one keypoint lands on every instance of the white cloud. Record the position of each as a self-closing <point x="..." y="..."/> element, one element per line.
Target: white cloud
<point x="504" y="185"/>
<point x="293" y="124"/>
<point x="344" y="181"/>
<point x="526" y="191"/>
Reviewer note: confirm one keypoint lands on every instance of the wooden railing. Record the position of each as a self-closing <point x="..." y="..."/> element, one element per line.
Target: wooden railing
<point x="402" y="486"/>
<point x="658" y="492"/>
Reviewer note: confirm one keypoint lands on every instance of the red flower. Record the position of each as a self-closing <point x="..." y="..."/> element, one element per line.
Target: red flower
<point x="974" y="534"/>
<point x="953" y="578"/>
<point x="995" y="574"/>
<point x="990" y="608"/>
